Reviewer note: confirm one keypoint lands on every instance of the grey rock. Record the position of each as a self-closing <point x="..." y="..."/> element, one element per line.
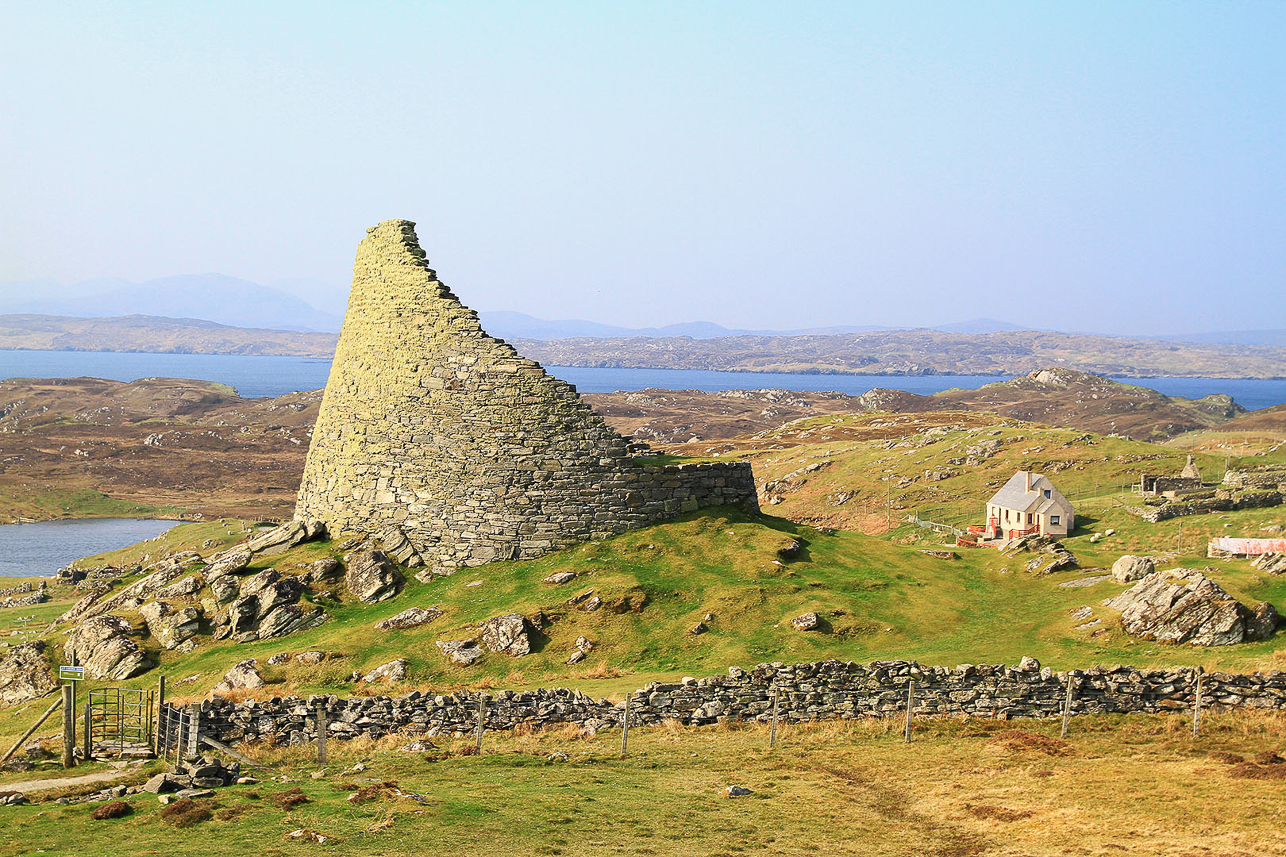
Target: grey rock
<point x="1263" y="622"/>
<point x="1130" y="568"/>
<point x="1181" y="606"/>
<point x="25" y="673"/>
<point x="411" y="618"/>
<point x="371" y="577"/>
<point x="185" y="587"/>
<point x="461" y="652"/>
<point x="283" y="538"/>
<point x="697" y="629"/>
<point x="806" y="622"/>
<point x="310" y="658"/>
<point x="226" y="589"/>
<point x="1270" y="563"/>
<point x="228" y="562"/>
<point x="242" y="676"/>
<point x="735" y="791"/>
<point x="393" y="671"/>
<point x="560" y="577"/>
<point x="326" y="568"/>
<point x="160" y="784"/>
<point x="507" y="634"/>
<point x="103" y="647"/>
<point x="289" y="619"/>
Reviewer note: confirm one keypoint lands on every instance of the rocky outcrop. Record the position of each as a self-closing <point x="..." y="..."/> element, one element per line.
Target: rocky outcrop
<point x="102" y="645"/>
<point x="806" y="622"/>
<point x="460" y="652"/>
<point x="507" y="634"/>
<point x="1182" y="606"/>
<point x="1270" y="563"/>
<point x="371" y="576"/>
<point x="242" y="676"/>
<point x="412" y="618"/>
<point x="229" y="562"/>
<point x="1263" y="622"/>
<point x="263" y="606"/>
<point x="25" y="673"/>
<point x="1129" y="568"/>
<point x="283" y="538"/>
<point x="185" y="587"/>
<point x="394" y="671"/>
<point x="168" y="626"/>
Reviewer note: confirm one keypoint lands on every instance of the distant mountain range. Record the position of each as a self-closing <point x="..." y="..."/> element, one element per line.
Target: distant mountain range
<point x="242" y="303"/>
<point x="209" y="297"/>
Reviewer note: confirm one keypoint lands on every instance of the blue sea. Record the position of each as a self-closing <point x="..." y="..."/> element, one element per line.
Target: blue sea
<point x="254" y="376"/>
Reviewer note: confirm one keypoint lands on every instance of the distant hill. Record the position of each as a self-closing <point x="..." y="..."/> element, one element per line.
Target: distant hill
<point x="209" y="297"/>
<point x="1275" y="338"/>
<point x="517" y="325"/>
<point x="156" y="335"/>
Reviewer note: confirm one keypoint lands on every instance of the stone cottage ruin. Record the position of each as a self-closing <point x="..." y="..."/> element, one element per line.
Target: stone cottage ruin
<point x="444" y="441"/>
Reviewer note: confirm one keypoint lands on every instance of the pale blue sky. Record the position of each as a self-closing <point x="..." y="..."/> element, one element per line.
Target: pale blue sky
<point x="1084" y="166"/>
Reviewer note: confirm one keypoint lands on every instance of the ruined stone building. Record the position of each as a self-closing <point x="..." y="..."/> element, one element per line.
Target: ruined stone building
<point x="433" y="430"/>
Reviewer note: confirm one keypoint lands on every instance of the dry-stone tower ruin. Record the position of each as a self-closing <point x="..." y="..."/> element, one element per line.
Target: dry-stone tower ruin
<point x="434" y="431"/>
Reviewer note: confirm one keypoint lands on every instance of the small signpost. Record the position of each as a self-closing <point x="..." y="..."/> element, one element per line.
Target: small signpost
<point x="70" y="674"/>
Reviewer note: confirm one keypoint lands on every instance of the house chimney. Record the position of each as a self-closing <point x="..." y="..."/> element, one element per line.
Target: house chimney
<point x="1027" y="480"/>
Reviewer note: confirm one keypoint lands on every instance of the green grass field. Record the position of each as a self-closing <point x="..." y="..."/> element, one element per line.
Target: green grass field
<point x="1118" y="785"/>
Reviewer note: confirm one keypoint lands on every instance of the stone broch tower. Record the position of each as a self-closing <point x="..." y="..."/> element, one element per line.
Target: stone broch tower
<point x="434" y="433"/>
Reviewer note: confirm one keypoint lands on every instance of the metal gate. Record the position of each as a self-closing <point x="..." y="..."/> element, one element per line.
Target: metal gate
<point x="118" y="720"/>
<point x="176" y="732"/>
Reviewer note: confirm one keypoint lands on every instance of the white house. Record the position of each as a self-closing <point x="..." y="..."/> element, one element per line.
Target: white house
<point x="1028" y="504"/>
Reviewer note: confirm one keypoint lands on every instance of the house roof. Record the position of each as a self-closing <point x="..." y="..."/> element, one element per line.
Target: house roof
<point x="1014" y="494"/>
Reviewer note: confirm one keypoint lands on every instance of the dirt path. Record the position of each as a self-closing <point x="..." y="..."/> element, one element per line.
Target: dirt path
<point x="40" y="785"/>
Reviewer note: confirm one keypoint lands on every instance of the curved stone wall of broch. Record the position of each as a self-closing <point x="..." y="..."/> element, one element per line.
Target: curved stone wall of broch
<point x="475" y="453"/>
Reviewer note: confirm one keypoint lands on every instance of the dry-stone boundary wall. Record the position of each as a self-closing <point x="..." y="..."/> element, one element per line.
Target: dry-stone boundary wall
<point x="818" y="691"/>
<point x="433" y="427"/>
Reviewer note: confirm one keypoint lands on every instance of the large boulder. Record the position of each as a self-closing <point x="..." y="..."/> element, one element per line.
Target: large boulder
<point x="184" y="587"/>
<point x="283" y="538"/>
<point x="226" y="589"/>
<point x="412" y="618"/>
<point x="507" y="634"/>
<point x="806" y="622"/>
<point x="103" y="647"/>
<point x="393" y="671"/>
<point x="228" y="562"/>
<point x="1270" y="563"/>
<point x="243" y="676"/>
<point x="1130" y="568"/>
<point x="25" y="673"/>
<point x="460" y="652"/>
<point x="289" y="618"/>
<point x="1263" y="622"/>
<point x="169" y="627"/>
<point x="371" y="576"/>
<point x="1181" y="606"/>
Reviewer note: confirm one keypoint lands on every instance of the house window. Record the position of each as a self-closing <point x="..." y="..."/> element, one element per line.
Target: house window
<point x="1046" y="493"/>
<point x="1053" y="520"/>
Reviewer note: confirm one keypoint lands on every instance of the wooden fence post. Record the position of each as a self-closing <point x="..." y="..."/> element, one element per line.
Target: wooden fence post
<point x="69" y="725"/>
<point x="625" y="728"/>
<point x="1067" y="703"/>
<point x="482" y="714"/>
<point x="772" y="735"/>
<point x="322" y="726"/>
<point x="87" y="739"/>
<point x="1196" y="708"/>
<point x="910" y="704"/>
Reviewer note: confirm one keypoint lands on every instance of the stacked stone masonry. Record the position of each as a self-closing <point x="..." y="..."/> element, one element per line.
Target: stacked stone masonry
<point x="475" y="453"/>
<point x="818" y="691"/>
